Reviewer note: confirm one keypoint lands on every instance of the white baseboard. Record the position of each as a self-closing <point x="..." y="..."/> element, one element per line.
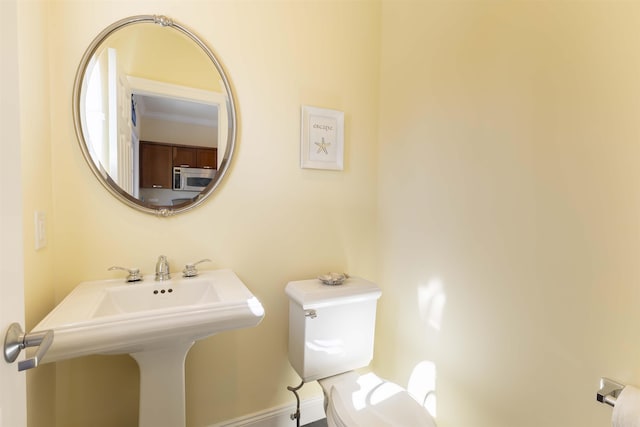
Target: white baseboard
<point x="310" y="410"/>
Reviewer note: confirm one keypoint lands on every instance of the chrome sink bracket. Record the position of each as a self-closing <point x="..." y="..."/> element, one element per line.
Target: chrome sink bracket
<point x="134" y="273"/>
<point x="609" y="391"/>
<point x="16" y="340"/>
<point x="190" y="270"/>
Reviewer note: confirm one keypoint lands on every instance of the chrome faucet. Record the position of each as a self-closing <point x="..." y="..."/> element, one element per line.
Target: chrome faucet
<point x="162" y="268"/>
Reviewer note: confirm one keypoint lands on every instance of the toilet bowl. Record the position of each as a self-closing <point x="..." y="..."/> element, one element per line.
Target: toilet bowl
<point x="331" y="331"/>
<point x="353" y="399"/>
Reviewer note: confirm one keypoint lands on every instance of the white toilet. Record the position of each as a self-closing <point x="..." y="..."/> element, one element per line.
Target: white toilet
<point x="331" y="331"/>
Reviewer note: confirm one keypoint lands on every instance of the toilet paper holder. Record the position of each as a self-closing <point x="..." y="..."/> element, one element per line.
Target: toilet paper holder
<point x="609" y="391"/>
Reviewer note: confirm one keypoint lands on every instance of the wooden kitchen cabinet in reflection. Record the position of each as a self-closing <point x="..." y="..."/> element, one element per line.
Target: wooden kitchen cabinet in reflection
<point x="155" y="165"/>
<point x="195" y="157"/>
<point x="158" y="160"/>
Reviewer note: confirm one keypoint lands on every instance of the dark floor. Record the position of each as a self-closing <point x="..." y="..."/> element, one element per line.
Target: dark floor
<point x="319" y="423"/>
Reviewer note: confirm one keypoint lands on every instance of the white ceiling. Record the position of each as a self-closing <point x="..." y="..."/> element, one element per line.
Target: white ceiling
<point x="176" y="110"/>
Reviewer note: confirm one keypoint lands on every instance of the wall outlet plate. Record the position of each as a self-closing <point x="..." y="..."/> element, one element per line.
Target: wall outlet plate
<point x="41" y="230"/>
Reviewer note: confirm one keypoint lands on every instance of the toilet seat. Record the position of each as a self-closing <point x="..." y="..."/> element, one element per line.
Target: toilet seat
<point x="369" y="401"/>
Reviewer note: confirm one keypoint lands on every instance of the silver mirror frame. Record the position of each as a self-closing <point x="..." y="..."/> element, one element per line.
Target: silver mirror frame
<point x="103" y="177"/>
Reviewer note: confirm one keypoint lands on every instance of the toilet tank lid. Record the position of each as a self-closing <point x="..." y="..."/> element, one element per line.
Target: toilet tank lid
<point x="314" y="294"/>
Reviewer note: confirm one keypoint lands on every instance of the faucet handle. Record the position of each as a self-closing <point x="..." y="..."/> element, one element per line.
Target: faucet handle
<point x="190" y="270"/>
<point x="134" y="273"/>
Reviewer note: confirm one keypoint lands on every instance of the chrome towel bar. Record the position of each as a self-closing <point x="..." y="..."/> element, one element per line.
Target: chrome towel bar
<point x="609" y="391"/>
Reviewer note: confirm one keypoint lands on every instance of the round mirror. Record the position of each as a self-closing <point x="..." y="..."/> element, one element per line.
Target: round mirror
<point x="154" y="114"/>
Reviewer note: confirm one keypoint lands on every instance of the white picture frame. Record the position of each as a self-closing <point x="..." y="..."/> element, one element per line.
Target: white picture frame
<point x="321" y="138"/>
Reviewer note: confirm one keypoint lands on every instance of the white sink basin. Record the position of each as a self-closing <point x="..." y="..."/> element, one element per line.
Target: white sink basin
<point x="156" y="323"/>
<point x="152" y="296"/>
<point x="111" y="316"/>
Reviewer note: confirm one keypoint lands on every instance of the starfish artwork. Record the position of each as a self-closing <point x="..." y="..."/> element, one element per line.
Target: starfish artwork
<point x="322" y="146"/>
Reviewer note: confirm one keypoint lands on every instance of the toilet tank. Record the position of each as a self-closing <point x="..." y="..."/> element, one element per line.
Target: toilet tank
<point x="331" y="328"/>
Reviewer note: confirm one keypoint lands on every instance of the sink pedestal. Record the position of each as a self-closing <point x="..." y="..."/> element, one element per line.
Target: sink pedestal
<point x="162" y="391"/>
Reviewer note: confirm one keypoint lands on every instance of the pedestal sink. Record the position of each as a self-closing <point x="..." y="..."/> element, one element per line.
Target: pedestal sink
<point x="156" y="323"/>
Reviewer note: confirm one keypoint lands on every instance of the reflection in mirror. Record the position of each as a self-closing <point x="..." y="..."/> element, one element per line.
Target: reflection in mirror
<point x="154" y="114"/>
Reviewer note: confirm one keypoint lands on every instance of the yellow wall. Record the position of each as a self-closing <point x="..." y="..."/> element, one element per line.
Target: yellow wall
<point x="270" y="221"/>
<point x="35" y="141"/>
<point x="509" y="150"/>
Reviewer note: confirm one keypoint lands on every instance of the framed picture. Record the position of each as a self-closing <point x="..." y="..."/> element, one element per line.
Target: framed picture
<point x="322" y="139"/>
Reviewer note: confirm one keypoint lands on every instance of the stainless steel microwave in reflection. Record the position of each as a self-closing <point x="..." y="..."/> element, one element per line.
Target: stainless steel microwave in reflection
<point x="192" y="179"/>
